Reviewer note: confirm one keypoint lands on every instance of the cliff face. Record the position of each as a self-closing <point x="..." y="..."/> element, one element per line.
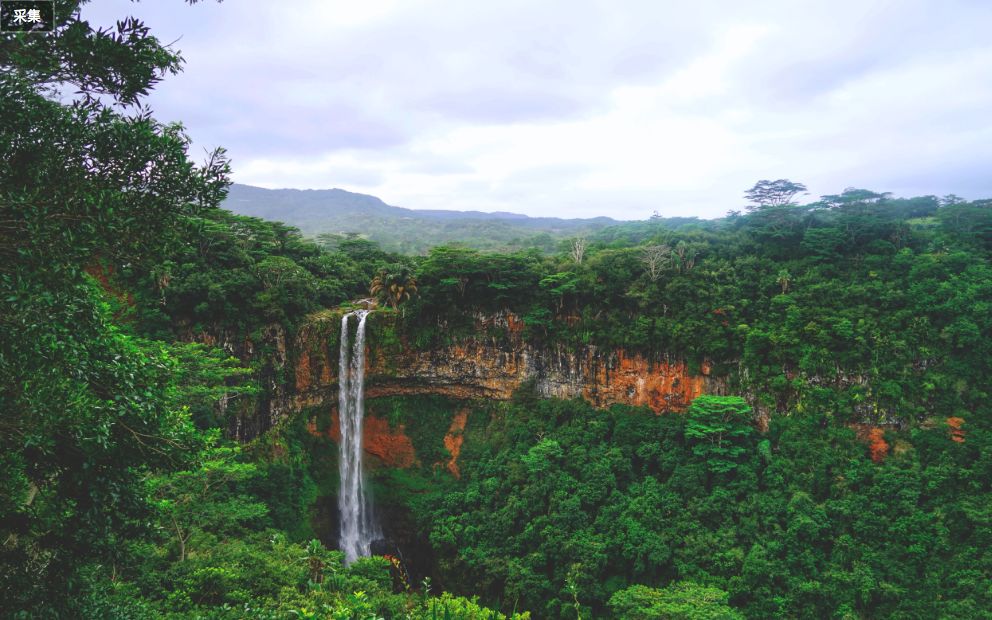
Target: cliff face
<point x="496" y="365"/>
<point x="300" y="371"/>
<point x="269" y="350"/>
<point x="390" y="445"/>
<point x="479" y="369"/>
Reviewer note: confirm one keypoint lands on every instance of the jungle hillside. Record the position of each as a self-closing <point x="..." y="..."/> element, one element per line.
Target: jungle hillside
<point x="815" y="441"/>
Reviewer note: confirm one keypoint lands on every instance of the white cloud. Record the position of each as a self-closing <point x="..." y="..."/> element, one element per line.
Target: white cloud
<point x="582" y="109"/>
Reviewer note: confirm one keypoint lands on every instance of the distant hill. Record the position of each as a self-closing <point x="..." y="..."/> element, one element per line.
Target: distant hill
<point x="336" y="211"/>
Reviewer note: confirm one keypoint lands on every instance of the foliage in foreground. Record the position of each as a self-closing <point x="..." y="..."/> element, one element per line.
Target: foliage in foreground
<point x="117" y="497"/>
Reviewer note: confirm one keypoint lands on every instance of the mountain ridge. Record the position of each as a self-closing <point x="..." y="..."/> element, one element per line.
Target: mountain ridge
<point x="245" y="192"/>
<point x="337" y="211"/>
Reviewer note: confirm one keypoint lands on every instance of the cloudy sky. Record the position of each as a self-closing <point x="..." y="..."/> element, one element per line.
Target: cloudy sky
<point x="582" y="108"/>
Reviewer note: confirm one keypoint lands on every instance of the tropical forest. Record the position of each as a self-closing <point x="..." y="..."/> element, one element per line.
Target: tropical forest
<point x="223" y="401"/>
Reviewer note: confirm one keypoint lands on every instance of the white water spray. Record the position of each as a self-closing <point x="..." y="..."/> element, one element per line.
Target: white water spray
<point x="358" y="527"/>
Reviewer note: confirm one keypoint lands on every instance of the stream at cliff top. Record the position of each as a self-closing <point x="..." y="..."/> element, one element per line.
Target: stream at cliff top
<point x="358" y="525"/>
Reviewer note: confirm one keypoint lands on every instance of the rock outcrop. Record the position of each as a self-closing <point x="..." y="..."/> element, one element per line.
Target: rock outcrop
<point x="494" y="367"/>
<point x="301" y="372"/>
<point x="479" y="369"/>
<point x="390" y="445"/>
<point x="453" y="441"/>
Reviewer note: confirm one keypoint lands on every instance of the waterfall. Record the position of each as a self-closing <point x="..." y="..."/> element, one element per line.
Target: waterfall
<point x="358" y="528"/>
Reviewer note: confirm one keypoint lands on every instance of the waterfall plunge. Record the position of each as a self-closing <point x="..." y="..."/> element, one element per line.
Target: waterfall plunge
<point x="358" y="527"/>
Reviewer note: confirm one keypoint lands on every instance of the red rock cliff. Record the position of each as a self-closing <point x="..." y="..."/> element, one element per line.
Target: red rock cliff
<point x="301" y="371"/>
<point x="496" y="367"/>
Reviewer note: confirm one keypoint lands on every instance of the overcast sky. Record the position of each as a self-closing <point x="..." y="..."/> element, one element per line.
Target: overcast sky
<point x="580" y="108"/>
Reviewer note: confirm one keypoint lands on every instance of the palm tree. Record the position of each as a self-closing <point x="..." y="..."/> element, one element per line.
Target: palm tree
<point x="784" y="278"/>
<point x="394" y="289"/>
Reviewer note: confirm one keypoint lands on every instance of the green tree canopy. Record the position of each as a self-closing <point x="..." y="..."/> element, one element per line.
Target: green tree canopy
<point x="679" y="601"/>
<point x="718" y="428"/>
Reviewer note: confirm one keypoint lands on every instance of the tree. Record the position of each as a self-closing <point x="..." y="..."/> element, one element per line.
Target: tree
<point x="205" y="498"/>
<point x="784" y="279"/>
<point x="717" y="427"/>
<point x="394" y="288"/>
<point x="654" y="258"/>
<point x="578" y="249"/>
<point x="453" y="268"/>
<point x="560" y="285"/>
<point x="773" y="193"/>
<point x="60" y="156"/>
<point x="684" y="256"/>
<point x="823" y="244"/>
<point x="679" y="601"/>
<point x="969" y="221"/>
<point x="87" y="409"/>
<point x="854" y="199"/>
<point x="279" y="271"/>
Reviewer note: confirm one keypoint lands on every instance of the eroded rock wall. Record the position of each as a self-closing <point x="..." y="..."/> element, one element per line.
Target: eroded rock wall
<point x="390" y="445"/>
<point x="494" y="366"/>
<point x="487" y="370"/>
<point x="300" y="371"/>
